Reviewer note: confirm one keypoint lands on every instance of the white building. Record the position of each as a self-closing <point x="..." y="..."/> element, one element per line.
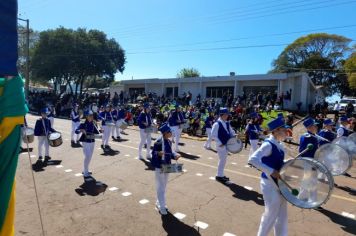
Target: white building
<point x="303" y="89"/>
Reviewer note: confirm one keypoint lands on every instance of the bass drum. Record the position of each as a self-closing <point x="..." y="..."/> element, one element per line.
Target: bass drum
<point x="311" y="181"/>
<point x="346" y="143"/>
<point x="335" y="158"/>
<point x="234" y="145"/>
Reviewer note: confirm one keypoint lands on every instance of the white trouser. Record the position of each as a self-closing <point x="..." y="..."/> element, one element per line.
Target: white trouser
<point x="106" y="134"/>
<point x="222" y="153"/>
<point x="51" y="119"/>
<point x="275" y="214"/>
<point x="43" y="141"/>
<point x="161" y="186"/>
<point x="88" y="149"/>
<point x="116" y="129"/>
<point x="208" y="141"/>
<point x="309" y="184"/>
<point x="145" y="138"/>
<point x="254" y="146"/>
<point x="176" y="131"/>
<point x="75" y="136"/>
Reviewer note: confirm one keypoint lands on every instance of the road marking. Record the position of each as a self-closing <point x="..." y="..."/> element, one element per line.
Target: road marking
<point x="113" y="189"/>
<point x="199" y="155"/>
<point x="228" y="234"/>
<point x="199" y="174"/>
<point x="210" y="158"/>
<point x="189" y="153"/>
<point x="201" y="225"/>
<point x="212" y="178"/>
<point x="33" y="156"/>
<point x="248" y="188"/>
<point x="126" y="194"/>
<point x="179" y="216"/>
<point x="185" y="170"/>
<point x="348" y="215"/>
<point x="233" y="163"/>
<point x="247" y="166"/>
<point x="68" y="170"/>
<point x="144" y="201"/>
<point x="59" y="166"/>
<point x="78" y="174"/>
<point x="294" y="176"/>
<point x="127" y="155"/>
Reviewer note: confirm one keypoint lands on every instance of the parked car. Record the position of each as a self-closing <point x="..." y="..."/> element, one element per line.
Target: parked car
<point x="345" y="101"/>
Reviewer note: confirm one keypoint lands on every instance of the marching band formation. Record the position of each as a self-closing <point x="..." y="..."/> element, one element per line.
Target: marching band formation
<point x="313" y="168"/>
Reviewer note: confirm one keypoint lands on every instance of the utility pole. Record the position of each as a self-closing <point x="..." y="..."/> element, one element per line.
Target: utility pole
<point x="27" y="75"/>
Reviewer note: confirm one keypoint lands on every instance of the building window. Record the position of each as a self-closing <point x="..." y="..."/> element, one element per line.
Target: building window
<point x="263" y="89"/>
<point x="136" y="91"/>
<point x="218" y="92"/>
<point x="172" y="92"/>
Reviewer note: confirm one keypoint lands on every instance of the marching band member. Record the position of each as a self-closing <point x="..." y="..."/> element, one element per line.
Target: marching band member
<point x="42" y="130"/>
<point x="343" y="130"/>
<point x="88" y="130"/>
<point x="23" y="130"/>
<point x="74" y="115"/>
<point x="120" y="119"/>
<point x="253" y="129"/>
<point x="145" y="121"/>
<point x="105" y="117"/>
<point x="308" y="138"/>
<point x="175" y="120"/>
<point x="208" y="125"/>
<point x="162" y="153"/>
<point x="50" y="116"/>
<point x="269" y="158"/>
<point x="115" y="130"/>
<point x="327" y="132"/>
<point x="221" y="133"/>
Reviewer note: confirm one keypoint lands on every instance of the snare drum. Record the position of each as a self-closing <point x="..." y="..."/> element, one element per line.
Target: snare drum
<point x="110" y="123"/>
<point x="172" y="168"/>
<point x="311" y="178"/>
<point x="28" y="135"/>
<point x="149" y="130"/>
<point x="55" y="139"/>
<point x="335" y="158"/>
<point x="123" y="125"/>
<point x="234" y="145"/>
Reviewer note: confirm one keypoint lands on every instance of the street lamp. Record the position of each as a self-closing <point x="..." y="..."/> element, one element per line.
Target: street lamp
<point x="27" y="81"/>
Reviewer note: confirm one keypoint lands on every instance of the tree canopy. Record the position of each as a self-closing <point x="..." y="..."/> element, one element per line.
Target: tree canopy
<point x="188" y="73"/>
<point x="66" y="56"/>
<point x="350" y="69"/>
<point x="320" y="55"/>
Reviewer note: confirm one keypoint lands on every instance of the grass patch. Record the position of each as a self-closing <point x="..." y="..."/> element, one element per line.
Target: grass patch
<point x="272" y="116"/>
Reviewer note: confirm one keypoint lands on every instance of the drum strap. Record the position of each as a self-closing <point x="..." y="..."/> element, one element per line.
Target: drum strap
<point x="44" y="127"/>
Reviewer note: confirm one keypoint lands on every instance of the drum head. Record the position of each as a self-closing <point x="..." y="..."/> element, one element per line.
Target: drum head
<point x="334" y="157"/>
<point x="348" y="144"/>
<point x="310" y="180"/>
<point x="54" y="136"/>
<point x="352" y="138"/>
<point x="29" y="131"/>
<point x="234" y="145"/>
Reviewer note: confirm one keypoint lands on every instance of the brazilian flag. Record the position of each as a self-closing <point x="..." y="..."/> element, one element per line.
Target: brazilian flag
<point x="12" y="110"/>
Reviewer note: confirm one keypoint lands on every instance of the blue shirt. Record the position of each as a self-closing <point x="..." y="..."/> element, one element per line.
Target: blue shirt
<point x="90" y="129"/>
<point x="157" y="161"/>
<point x="43" y="127"/>
<point x="144" y="118"/>
<point x="105" y="116"/>
<point x="326" y="134"/>
<point x="306" y="139"/>
<point x="176" y="119"/>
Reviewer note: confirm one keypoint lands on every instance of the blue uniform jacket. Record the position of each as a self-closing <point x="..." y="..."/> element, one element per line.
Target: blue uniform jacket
<point x="105" y="116"/>
<point x="326" y="134"/>
<point x="90" y="129"/>
<point x="74" y="116"/>
<point x="144" y="117"/>
<point x="122" y="114"/>
<point x="252" y="130"/>
<point x="305" y="139"/>
<point x="157" y="161"/>
<point x="115" y="115"/>
<point x="176" y="119"/>
<point x="275" y="160"/>
<point x="43" y="127"/>
<point x="209" y="122"/>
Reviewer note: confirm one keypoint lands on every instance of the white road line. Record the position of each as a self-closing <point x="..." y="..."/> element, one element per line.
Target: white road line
<point x="233" y="163"/>
<point x="248" y="188"/>
<point x="199" y="174"/>
<point x="210" y="158"/>
<point x="201" y="225"/>
<point x="185" y="170"/>
<point x="247" y="166"/>
<point x="212" y="178"/>
<point x="348" y="215"/>
<point x="189" y="153"/>
<point x="59" y="166"/>
<point x="33" y="156"/>
<point x="78" y="174"/>
<point x="113" y="189"/>
<point x="179" y="216"/>
<point x="144" y="201"/>
<point x="68" y="170"/>
<point x="228" y="234"/>
<point x="126" y="194"/>
<point x="127" y="155"/>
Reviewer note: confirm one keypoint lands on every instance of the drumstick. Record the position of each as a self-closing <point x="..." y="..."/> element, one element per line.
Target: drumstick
<point x="294" y="191"/>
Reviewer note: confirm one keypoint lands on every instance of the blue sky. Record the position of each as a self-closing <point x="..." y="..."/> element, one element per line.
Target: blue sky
<point x="160" y="36"/>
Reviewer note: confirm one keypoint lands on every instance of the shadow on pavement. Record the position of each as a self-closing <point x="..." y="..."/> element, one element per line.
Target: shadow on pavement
<point x="349" y="190"/>
<point x="148" y="165"/>
<point x="175" y="227"/>
<point x="91" y="187"/>
<point x="40" y="165"/>
<point x="110" y="152"/>
<point x="346" y="224"/>
<point x="244" y="194"/>
<point x="188" y="156"/>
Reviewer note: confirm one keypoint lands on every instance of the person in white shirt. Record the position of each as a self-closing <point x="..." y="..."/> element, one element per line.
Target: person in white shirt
<point x="269" y="158"/>
<point x="221" y="133"/>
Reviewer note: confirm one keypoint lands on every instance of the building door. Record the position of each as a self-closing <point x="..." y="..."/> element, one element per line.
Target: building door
<point x="172" y="92"/>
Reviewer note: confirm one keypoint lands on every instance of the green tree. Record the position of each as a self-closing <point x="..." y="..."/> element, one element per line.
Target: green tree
<point x="350" y="69"/>
<point x="188" y="73"/>
<point x="320" y="55"/>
